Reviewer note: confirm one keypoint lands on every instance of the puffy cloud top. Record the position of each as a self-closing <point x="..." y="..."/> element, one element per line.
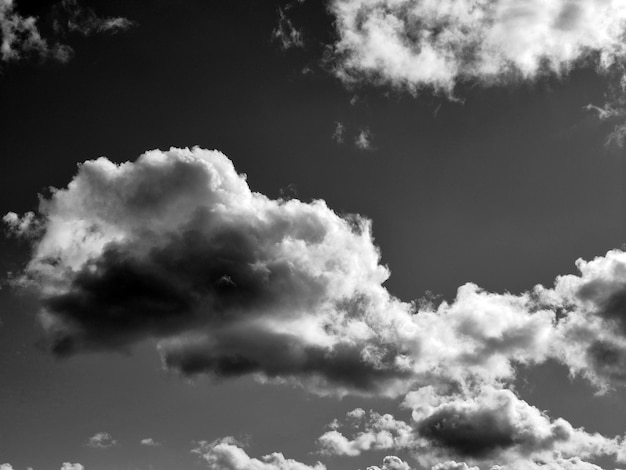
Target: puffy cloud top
<point x="436" y="43"/>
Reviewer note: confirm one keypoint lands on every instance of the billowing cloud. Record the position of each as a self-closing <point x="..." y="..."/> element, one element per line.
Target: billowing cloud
<point x="176" y="247"/>
<point x="226" y="454"/>
<point x="101" y="440"/>
<point x="6" y="466"/>
<point x="490" y="427"/>
<point x="21" y="36"/>
<point x="434" y="44"/>
<point x="391" y="462"/>
<point x="370" y="431"/>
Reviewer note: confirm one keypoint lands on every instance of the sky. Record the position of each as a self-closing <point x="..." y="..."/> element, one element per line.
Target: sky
<point x="295" y="235"/>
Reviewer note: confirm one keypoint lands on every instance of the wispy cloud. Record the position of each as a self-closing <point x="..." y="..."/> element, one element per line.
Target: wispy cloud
<point x="22" y="37"/>
<point x="287" y="35"/>
<point x="338" y="133"/>
<point x="416" y="44"/>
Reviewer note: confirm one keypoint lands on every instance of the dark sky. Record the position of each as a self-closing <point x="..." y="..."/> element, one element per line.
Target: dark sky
<point x="504" y="188"/>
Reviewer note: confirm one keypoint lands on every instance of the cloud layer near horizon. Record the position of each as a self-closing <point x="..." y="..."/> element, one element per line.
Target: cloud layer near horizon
<point x="434" y="44"/>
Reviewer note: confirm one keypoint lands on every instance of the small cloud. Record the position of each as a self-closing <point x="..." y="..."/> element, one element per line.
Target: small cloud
<point x="363" y="140"/>
<point x="101" y="440"/>
<point x="6" y="466"/>
<point x="150" y="442"/>
<point x="72" y="17"/>
<point x="339" y="132"/>
<point x="286" y="33"/>
<point x="72" y="466"/>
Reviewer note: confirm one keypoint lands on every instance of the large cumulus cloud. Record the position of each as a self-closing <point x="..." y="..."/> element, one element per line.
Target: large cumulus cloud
<point x="176" y="247"/>
<point x="436" y="43"/>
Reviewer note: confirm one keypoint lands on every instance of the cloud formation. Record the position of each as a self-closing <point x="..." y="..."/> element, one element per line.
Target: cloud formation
<point x="226" y="454"/>
<point x="490" y="427"/>
<point x="21" y="37"/>
<point x="416" y="44"/>
<point x="287" y="35"/>
<point x="101" y="440"/>
<point x="176" y="247"/>
<point x="150" y="442"/>
<point x="72" y="466"/>
<point x="391" y="462"/>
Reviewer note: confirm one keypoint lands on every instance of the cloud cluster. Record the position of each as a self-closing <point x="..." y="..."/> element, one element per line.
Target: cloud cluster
<point x="21" y="36"/>
<point x="227" y="454"/>
<point x="490" y="427"/>
<point x="176" y="247"/>
<point x="434" y="44"/>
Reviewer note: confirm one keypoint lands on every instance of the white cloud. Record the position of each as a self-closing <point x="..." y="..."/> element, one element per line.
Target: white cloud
<point x="72" y="466"/>
<point x="489" y="426"/>
<point x="363" y="140"/>
<point x="150" y="442"/>
<point x="434" y="44"/>
<point x="6" y="466"/>
<point x="338" y="133"/>
<point x="231" y="282"/>
<point x="226" y="454"/>
<point x="286" y="33"/>
<point x="101" y="440"/>
<point x="452" y="465"/>
<point x="21" y="36"/>
<point x="391" y="462"/>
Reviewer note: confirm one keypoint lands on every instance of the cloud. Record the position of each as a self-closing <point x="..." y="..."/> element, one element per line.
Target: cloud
<point x="363" y="140"/>
<point x="150" y="442"/>
<point x="417" y="44"/>
<point x="375" y="432"/>
<point x="6" y="466"/>
<point x="72" y="466"/>
<point x="226" y="454"/>
<point x="101" y="440"/>
<point x="21" y="36"/>
<point x="391" y="462"/>
<point x="176" y="247"/>
<point x="490" y="426"/>
<point x="286" y="33"/>
<point x="338" y="133"/>
<point x="452" y="465"/>
<point x="70" y="16"/>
